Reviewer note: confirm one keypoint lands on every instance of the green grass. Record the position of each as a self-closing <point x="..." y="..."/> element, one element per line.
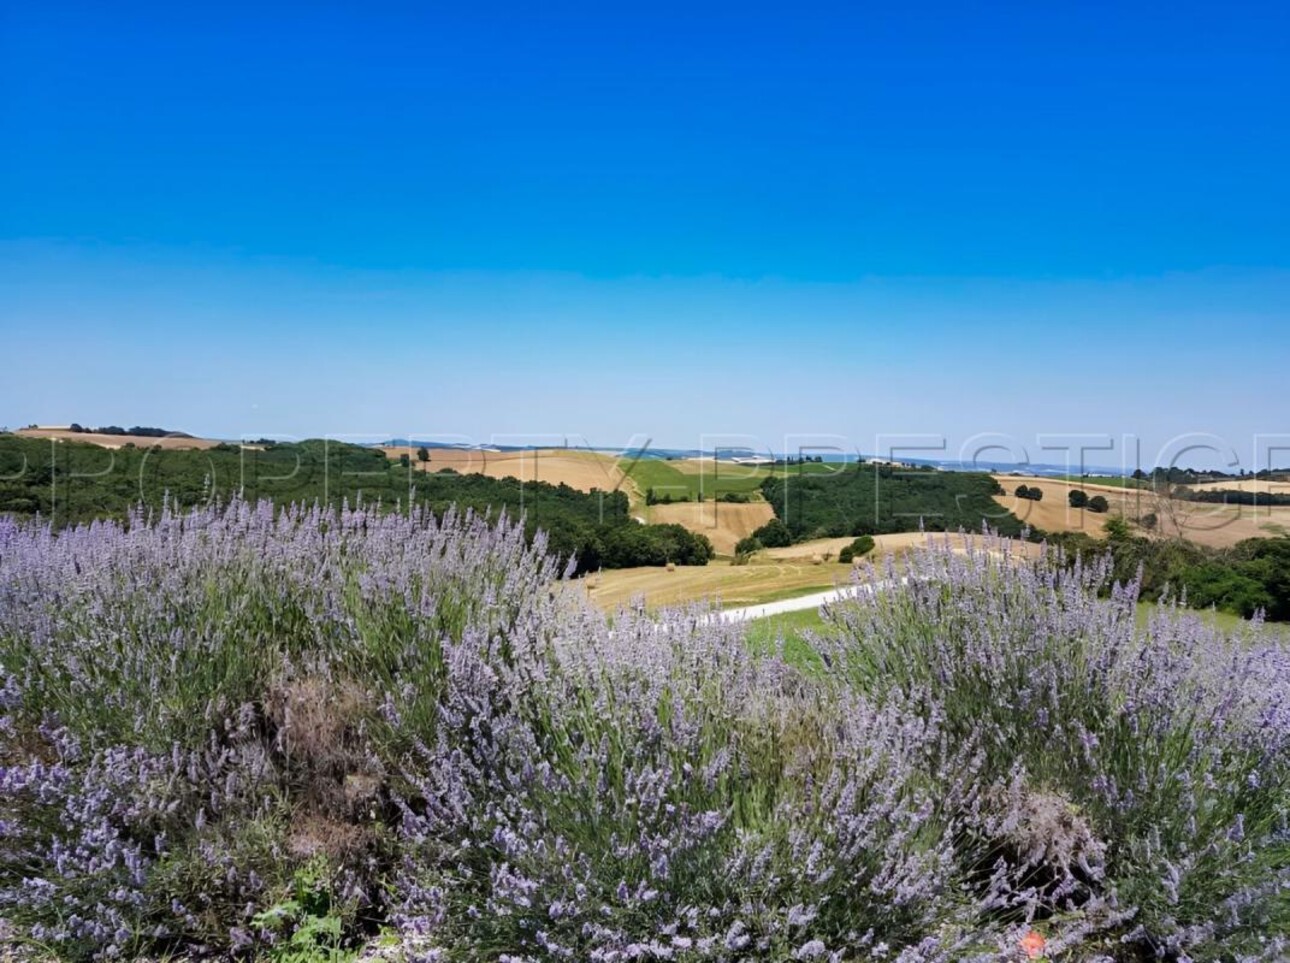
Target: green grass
<point x="660" y="476"/>
<point x="797" y="591"/>
<point x="715" y="480"/>
<point x="1224" y="621"/>
<point x="763" y="634"/>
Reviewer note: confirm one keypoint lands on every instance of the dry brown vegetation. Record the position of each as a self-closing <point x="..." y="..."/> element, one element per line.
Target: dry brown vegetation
<point x="176" y="443"/>
<point x="583" y="470"/>
<point x="896" y="544"/>
<point x="732" y="585"/>
<point x="774" y="573"/>
<point x="1270" y="486"/>
<point x="1212" y="525"/>
<point x="724" y="523"/>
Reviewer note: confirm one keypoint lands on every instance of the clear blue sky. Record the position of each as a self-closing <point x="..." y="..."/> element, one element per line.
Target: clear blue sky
<point x="677" y="221"/>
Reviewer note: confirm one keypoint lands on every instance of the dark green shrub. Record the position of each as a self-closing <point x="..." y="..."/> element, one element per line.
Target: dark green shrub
<point x="774" y="534"/>
<point x="862" y="545"/>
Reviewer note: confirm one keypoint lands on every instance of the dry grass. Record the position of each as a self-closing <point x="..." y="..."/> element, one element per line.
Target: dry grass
<point x="118" y="441"/>
<point x="584" y="470"/>
<point x="724" y="523"/>
<point x="897" y="544"/>
<point x="1246" y="485"/>
<point x="732" y="585"/>
<point x="1216" y="526"/>
<point x="318" y="724"/>
<point x="773" y="574"/>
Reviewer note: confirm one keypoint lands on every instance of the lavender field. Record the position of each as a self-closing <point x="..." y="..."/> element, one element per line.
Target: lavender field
<point x="314" y="735"/>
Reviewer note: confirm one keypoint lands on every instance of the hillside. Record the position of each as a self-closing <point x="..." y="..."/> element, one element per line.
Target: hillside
<point x="688" y="479"/>
<point x="724" y="523"/>
<point x="72" y="482"/>
<point x="177" y="441"/>
<point x="1270" y="485"/>
<point x="772" y="574"/>
<point x="867" y="500"/>
<point x="584" y="470"/>
<point x="1210" y="524"/>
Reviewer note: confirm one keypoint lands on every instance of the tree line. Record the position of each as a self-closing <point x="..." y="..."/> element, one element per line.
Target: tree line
<point x="70" y="482"/>
<point x="857" y="501"/>
<point x="1249" y="577"/>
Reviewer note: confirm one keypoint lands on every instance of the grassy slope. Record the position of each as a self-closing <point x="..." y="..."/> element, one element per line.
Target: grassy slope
<point x="1109" y="481"/>
<point x="713" y="479"/>
<point x="734" y="585"/>
<point x="792" y="629"/>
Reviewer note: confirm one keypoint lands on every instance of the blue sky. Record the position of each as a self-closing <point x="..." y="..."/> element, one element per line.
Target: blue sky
<point x="672" y="221"/>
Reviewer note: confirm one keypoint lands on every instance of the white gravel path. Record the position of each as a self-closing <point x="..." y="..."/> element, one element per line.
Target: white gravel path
<point x="813" y="601"/>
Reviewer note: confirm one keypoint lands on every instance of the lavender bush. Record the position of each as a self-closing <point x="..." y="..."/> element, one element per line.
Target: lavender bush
<point x="1134" y="782"/>
<point x="218" y="725"/>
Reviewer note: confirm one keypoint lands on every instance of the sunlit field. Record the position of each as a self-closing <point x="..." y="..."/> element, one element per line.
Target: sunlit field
<point x="253" y="733"/>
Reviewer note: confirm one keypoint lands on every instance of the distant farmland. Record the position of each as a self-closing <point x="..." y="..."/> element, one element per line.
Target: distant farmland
<point x="689" y="478"/>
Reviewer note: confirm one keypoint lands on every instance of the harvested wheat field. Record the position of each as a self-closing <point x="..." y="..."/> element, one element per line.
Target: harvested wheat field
<point x="174" y="442"/>
<point x="731" y="585"/>
<point x="1054" y="514"/>
<point x="773" y="574"/>
<point x="583" y="470"/>
<point x="1270" y="486"/>
<point x="1216" y="526"/>
<point x="1221" y="526"/>
<point x="896" y="544"/>
<point x="724" y="523"/>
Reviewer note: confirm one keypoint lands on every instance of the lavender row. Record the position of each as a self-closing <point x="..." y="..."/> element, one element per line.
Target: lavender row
<point x="244" y="731"/>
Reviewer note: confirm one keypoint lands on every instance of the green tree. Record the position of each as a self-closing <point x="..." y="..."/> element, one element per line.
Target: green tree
<point x="1029" y="493"/>
<point x="1117" y="531"/>
<point x="774" y="534"/>
<point x="423" y="455"/>
<point x="859" y="548"/>
<point x="862" y="546"/>
<point x="1099" y="504"/>
<point x="1078" y="498"/>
